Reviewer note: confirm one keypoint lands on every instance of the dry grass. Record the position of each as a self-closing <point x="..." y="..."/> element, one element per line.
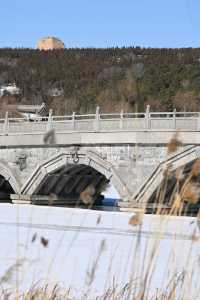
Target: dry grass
<point x="115" y="292"/>
<point x="46" y="293"/>
<point x="191" y="193"/>
<point x="195" y="168"/>
<point x="136" y="219"/>
<point x="49" y="137"/>
<point x="174" y="144"/>
<point x="86" y="196"/>
<point x="188" y="192"/>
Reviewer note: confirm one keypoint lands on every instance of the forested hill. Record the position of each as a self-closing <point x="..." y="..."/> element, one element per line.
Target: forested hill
<point x="115" y="78"/>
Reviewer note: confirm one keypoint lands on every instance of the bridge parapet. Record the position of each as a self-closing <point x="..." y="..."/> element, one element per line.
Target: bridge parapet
<point x="147" y="121"/>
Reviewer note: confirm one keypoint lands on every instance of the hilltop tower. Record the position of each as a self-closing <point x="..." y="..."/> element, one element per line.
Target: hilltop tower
<point x="50" y="43"/>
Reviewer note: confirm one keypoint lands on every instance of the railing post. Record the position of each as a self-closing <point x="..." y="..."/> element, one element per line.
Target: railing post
<point x="97" y="119"/>
<point x="50" y="121"/>
<point x="147" y="119"/>
<point x="174" y="118"/>
<point x="5" y="127"/>
<point x="198" y="122"/>
<point x="73" y="120"/>
<point x="121" y="119"/>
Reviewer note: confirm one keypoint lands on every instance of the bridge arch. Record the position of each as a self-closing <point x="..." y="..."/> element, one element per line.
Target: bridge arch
<point x="73" y="168"/>
<point x="8" y="179"/>
<point x="182" y="160"/>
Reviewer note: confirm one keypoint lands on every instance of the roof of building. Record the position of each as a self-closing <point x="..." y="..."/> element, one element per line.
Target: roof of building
<point x="35" y="109"/>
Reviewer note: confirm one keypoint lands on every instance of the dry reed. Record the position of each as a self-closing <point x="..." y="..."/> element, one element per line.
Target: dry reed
<point x="136" y="219"/>
<point x="173" y="144"/>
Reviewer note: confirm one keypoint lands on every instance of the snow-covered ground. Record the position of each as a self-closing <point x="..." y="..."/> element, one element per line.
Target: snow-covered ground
<point x="86" y="249"/>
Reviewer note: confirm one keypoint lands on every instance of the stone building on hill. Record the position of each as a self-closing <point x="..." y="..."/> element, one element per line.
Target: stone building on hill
<point x="50" y="43"/>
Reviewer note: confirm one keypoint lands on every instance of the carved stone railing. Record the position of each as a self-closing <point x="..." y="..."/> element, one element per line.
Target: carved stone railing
<point x="147" y="121"/>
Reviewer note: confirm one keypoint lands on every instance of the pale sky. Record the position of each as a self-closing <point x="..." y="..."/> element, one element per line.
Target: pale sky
<point x="101" y="23"/>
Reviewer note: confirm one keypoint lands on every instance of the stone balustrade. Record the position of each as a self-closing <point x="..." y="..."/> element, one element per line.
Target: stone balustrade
<point x="147" y="121"/>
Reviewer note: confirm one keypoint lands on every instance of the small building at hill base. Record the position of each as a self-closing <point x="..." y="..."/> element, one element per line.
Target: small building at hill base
<point x="29" y="112"/>
<point x="9" y="89"/>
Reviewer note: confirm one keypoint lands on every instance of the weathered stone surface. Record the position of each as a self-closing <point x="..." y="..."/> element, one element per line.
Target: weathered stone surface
<point x="133" y="163"/>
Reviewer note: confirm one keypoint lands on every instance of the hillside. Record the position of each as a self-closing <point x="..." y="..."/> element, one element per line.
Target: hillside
<point x="116" y="78"/>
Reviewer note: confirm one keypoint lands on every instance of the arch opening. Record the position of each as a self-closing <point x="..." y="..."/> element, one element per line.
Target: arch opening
<point x="183" y="182"/>
<point x="74" y="183"/>
<point x="9" y="182"/>
<point x="66" y="178"/>
<point x="5" y="189"/>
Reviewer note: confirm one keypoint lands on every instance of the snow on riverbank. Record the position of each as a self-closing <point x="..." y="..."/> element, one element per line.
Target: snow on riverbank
<point x="52" y="244"/>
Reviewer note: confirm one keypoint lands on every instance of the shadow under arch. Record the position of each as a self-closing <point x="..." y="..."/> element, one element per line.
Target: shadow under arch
<point x="65" y="161"/>
<point x="7" y="174"/>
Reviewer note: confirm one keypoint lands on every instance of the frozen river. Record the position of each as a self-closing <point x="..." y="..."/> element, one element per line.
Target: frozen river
<point x="88" y="249"/>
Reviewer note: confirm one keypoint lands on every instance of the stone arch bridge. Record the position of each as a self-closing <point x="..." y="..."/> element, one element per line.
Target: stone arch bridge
<point x="65" y="155"/>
